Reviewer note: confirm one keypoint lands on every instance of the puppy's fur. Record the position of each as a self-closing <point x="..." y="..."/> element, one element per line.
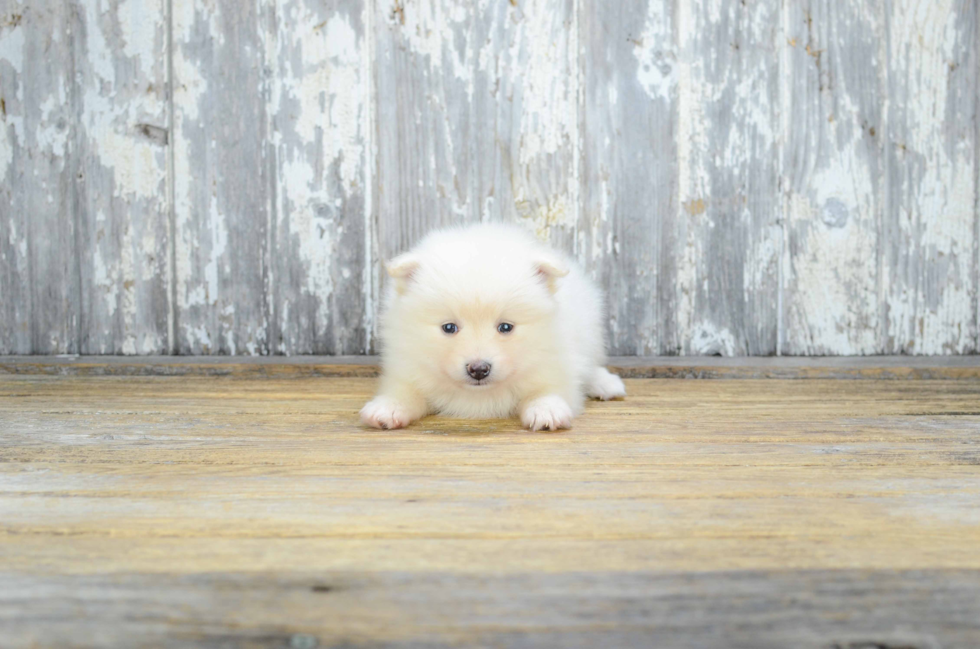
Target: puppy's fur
<point x="442" y="325"/>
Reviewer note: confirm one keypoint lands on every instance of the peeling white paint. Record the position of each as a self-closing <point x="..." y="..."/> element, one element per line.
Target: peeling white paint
<point x="190" y="89"/>
<point x="35" y="172"/>
<point x="548" y="108"/>
<point x="11" y="53"/>
<point x="186" y="14"/>
<point x="53" y="133"/>
<point x="218" y="229"/>
<point x="313" y="233"/>
<point x="226" y="316"/>
<point x="543" y="218"/>
<point x="99" y="53"/>
<point x="329" y="91"/>
<point x="197" y="337"/>
<point x="429" y="28"/>
<point x="321" y="100"/>
<point x="497" y="134"/>
<point x="195" y="296"/>
<point x="543" y="46"/>
<point x="12" y="46"/>
<point x="835" y="300"/>
<point x="121" y="87"/>
<point x="104" y="283"/>
<point x="6" y="150"/>
<point x="936" y="199"/>
<point x="831" y="302"/>
<point x="710" y="340"/>
<point x="656" y="68"/>
<point x="111" y="112"/>
<point x="762" y="261"/>
<point x="149" y="264"/>
<point x="138" y="28"/>
<point x="15" y="239"/>
<point x="149" y="343"/>
<point x="127" y="291"/>
<point x="370" y="275"/>
<point x="691" y="176"/>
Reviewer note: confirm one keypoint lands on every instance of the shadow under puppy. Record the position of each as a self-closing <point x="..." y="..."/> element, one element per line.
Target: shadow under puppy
<point x="485" y="322"/>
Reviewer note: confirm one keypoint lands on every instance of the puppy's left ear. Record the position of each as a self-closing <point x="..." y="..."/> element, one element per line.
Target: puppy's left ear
<point x="401" y="269"/>
<point x="549" y="269"/>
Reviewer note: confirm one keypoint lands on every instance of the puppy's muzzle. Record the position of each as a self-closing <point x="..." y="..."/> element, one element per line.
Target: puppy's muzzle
<point x="478" y="370"/>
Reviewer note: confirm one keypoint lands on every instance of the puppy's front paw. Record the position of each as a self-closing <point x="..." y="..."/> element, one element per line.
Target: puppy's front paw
<point x="605" y="385"/>
<point x="547" y="413"/>
<point x="385" y="412"/>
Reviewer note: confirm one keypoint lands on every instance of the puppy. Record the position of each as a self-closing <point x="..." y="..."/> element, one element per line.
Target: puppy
<point x="485" y="322"/>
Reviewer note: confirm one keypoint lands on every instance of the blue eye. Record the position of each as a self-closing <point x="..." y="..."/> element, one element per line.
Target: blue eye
<point x="505" y="327"/>
<point x="450" y="328"/>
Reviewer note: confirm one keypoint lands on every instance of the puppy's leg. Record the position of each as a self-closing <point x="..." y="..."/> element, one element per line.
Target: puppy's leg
<point x="394" y="408"/>
<point x="605" y="385"/>
<point x="549" y="412"/>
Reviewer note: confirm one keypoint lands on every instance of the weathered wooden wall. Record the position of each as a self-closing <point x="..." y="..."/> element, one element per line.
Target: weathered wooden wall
<point x="775" y="176"/>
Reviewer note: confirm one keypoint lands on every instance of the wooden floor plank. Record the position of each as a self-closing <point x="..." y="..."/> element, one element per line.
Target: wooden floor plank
<point x="174" y="511"/>
<point x="843" y="609"/>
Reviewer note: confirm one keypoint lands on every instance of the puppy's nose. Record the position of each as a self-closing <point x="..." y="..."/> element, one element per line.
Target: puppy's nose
<point x="478" y="370"/>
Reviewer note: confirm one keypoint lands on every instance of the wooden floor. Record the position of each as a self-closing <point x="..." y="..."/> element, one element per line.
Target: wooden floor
<point x="226" y="512"/>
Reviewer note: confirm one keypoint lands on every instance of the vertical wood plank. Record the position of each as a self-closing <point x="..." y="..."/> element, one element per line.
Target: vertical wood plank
<point x="628" y="229"/>
<point x="527" y="85"/>
<point x="223" y="169"/>
<point x="15" y="282"/>
<point x="728" y="184"/>
<point x="121" y="173"/>
<point x="320" y="109"/>
<point x="642" y="137"/>
<point x="832" y="176"/>
<point x="928" y="233"/>
<point x="477" y="117"/>
<point x="39" y="302"/>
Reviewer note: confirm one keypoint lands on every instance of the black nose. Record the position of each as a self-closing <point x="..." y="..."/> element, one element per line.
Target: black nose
<point x="479" y="370"/>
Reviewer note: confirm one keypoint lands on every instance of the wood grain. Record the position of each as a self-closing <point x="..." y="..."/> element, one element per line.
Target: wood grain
<point x="928" y="234"/>
<point x="121" y="175"/>
<point x="833" y="171"/>
<point x="477" y="117"/>
<point x="223" y="177"/>
<point x="840" y="609"/>
<point x="16" y="318"/>
<point x="794" y="177"/>
<point x="629" y="233"/>
<point x="319" y="290"/>
<point x="161" y="511"/>
<point x="728" y="201"/>
<point x="649" y="367"/>
<point x="41" y="270"/>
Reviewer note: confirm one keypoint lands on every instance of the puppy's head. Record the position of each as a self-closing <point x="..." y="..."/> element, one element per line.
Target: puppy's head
<point x="473" y="315"/>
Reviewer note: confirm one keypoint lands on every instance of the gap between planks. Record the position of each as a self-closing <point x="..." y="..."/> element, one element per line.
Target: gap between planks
<point x="827" y="367"/>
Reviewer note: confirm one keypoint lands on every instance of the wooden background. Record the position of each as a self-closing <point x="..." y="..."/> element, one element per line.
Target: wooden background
<point x="742" y="176"/>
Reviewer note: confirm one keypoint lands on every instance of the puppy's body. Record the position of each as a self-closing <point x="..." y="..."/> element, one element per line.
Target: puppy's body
<point x="486" y="322"/>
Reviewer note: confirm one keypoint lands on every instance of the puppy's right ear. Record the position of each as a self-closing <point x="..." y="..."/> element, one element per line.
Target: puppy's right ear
<point x="401" y="269"/>
<point x="550" y="269"/>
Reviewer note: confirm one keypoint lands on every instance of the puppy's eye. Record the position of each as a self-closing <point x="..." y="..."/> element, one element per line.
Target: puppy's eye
<point x="450" y="328"/>
<point x="505" y="327"/>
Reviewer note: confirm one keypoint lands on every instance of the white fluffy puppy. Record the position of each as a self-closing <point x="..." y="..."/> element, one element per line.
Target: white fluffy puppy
<point x="484" y="321"/>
